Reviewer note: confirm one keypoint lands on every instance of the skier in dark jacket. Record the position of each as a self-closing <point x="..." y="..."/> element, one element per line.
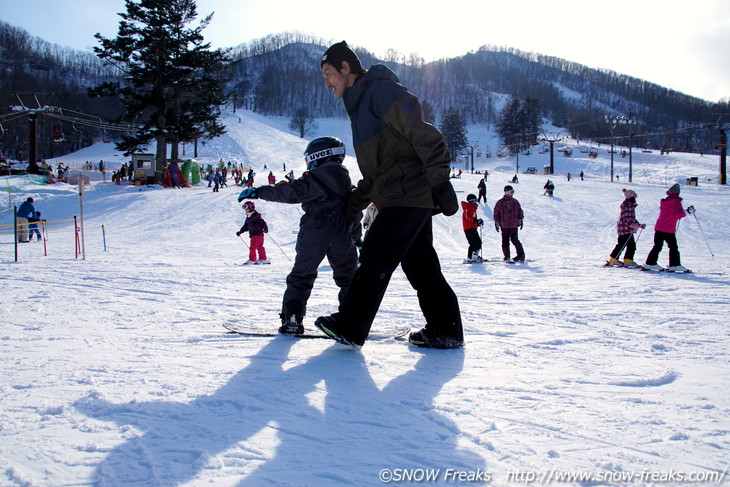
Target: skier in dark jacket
<point x="323" y="229"/>
<point x="508" y="217"/>
<point x="25" y="213"/>
<point x="405" y="167"/>
<point x="482" y="187"/>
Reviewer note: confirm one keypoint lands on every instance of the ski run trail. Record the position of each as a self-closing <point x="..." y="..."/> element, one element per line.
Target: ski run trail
<point x="116" y="370"/>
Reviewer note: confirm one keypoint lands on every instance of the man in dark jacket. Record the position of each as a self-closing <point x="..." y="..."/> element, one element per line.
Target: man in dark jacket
<point x="25" y="213"/>
<point x="323" y="229"/>
<point x="508" y="217"/>
<point x="405" y="168"/>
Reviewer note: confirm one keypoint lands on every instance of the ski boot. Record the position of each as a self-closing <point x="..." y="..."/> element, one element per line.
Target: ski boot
<point x="630" y="264"/>
<point x="677" y="268"/>
<point x="652" y="267"/>
<point x="612" y="262"/>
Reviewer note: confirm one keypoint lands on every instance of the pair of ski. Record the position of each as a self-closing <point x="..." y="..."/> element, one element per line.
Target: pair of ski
<point x="642" y="268"/>
<point x="245" y="329"/>
<point x="496" y="261"/>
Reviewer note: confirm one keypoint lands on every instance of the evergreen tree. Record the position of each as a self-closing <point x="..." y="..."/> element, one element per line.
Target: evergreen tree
<point x="519" y="124"/>
<point x="172" y="84"/>
<point x="453" y="126"/>
<point x="508" y="125"/>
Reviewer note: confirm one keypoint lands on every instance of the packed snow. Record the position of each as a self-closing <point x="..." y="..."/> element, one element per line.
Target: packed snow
<point x="117" y="371"/>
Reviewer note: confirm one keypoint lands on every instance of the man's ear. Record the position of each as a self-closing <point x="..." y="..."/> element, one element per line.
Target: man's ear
<point x="345" y="68"/>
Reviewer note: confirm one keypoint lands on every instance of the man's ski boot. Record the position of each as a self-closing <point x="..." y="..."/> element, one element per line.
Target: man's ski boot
<point x="291" y="325"/>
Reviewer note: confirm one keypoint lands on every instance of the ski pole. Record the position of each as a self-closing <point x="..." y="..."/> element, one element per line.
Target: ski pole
<point x="703" y="234"/>
<point x="636" y="241"/>
<point x="244" y="242"/>
<point x="282" y="250"/>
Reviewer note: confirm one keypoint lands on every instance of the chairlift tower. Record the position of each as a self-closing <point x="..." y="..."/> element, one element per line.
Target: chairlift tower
<point x="552" y="141"/>
<point x="613" y="121"/>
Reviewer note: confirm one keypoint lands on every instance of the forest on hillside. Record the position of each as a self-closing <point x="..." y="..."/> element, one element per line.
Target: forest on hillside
<point x="279" y="75"/>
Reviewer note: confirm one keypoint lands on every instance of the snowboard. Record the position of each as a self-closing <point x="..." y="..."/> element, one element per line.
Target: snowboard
<point x="257" y="331"/>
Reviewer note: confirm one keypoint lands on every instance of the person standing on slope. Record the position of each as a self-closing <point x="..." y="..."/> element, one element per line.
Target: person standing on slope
<point x="665" y="230"/>
<point x="626" y="227"/>
<point x="508" y="216"/>
<point x="256" y="228"/>
<point x="404" y="164"/>
<point x="323" y="229"/>
<point x="482" y="187"/>
<point x="471" y="222"/>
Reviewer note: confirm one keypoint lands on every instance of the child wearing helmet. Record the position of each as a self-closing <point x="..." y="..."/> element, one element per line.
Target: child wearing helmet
<point x="323" y="229"/>
<point x="471" y="222"/>
<point x="256" y="228"/>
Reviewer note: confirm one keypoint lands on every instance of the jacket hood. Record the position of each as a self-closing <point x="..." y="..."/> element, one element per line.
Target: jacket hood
<point x="465" y="205"/>
<point x="377" y="72"/>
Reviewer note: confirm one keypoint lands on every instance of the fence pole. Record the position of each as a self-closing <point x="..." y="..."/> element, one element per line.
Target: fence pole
<point x="15" y="231"/>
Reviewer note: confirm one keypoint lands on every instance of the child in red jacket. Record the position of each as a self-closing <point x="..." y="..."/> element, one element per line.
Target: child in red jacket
<point x="471" y="222"/>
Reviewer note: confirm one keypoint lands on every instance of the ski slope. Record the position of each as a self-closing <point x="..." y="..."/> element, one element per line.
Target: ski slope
<point x="116" y="370"/>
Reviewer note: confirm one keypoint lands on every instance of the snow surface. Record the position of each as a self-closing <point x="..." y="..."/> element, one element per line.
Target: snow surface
<point x="116" y="370"/>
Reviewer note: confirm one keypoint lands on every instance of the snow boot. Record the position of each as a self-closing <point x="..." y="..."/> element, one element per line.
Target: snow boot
<point x="422" y="339"/>
<point x="329" y="326"/>
<point x="291" y="325"/>
<point x="519" y="258"/>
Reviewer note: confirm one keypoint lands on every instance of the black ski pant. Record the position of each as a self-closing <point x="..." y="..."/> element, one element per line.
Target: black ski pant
<point x="482" y="194"/>
<point x="475" y="242"/>
<point x="510" y="235"/>
<point x="320" y="235"/>
<point x="400" y="235"/>
<point x="627" y="241"/>
<point x="659" y="239"/>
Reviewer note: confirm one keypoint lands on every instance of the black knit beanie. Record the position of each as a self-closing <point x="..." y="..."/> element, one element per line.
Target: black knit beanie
<point x="341" y="52"/>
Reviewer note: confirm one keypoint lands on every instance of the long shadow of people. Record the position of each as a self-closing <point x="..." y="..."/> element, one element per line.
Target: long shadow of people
<point x="346" y="437"/>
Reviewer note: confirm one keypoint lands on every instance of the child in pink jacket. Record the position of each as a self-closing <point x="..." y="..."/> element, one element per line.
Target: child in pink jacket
<point x="665" y="230"/>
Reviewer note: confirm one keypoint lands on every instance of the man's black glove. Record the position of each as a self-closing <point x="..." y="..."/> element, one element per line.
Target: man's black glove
<point x="445" y="198"/>
<point x="520" y="224"/>
<point x="496" y="226"/>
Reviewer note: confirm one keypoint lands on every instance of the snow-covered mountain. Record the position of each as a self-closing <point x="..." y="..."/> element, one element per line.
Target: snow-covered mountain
<point x="116" y="369"/>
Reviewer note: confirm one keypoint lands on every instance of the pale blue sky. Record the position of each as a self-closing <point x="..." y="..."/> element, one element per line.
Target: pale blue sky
<point x="679" y="45"/>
